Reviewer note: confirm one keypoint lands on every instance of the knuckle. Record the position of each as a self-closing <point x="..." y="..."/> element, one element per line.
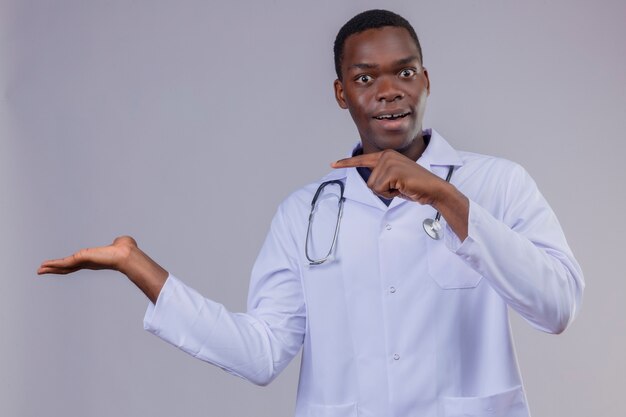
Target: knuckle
<point x="125" y="239"/>
<point x="386" y="154"/>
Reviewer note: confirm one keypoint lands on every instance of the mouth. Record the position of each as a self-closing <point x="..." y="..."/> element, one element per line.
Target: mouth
<point x="392" y="116"/>
<point x="394" y="121"/>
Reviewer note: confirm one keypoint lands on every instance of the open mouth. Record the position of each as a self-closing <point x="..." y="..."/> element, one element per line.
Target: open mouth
<point x="391" y="116"/>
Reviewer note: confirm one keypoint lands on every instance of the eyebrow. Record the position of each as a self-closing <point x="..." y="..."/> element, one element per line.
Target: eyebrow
<point x="399" y="62"/>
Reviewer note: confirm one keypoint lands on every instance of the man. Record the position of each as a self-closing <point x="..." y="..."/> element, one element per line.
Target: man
<point x="391" y="321"/>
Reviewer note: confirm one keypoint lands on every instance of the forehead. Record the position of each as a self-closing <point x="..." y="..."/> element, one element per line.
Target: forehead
<point x="378" y="46"/>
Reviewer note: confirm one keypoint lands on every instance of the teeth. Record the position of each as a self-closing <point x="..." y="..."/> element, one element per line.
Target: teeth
<point x="391" y="116"/>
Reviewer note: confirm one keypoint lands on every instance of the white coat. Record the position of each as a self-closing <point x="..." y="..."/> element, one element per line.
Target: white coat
<point x="396" y="324"/>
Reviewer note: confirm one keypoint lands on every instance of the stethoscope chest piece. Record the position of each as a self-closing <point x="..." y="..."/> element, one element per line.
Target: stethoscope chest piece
<point x="432" y="227"/>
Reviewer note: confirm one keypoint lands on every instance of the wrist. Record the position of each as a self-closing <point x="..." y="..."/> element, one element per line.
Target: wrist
<point x="446" y="196"/>
<point x="127" y="257"/>
<point x="144" y="273"/>
<point x="454" y="207"/>
<point x="138" y="267"/>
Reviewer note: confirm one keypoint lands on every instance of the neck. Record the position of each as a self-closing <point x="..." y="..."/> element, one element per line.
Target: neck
<point x="415" y="149"/>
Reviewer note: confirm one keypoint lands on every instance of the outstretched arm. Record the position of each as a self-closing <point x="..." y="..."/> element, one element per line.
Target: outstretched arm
<point x="122" y="255"/>
<point x="256" y="345"/>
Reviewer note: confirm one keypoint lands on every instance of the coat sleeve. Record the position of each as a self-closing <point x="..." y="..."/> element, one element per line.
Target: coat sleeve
<point x="256" y="345"/>
<point x="524" y="255"/>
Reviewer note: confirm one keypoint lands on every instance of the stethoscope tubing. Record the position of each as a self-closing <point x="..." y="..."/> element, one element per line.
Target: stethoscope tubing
<point x="432" y="227"/>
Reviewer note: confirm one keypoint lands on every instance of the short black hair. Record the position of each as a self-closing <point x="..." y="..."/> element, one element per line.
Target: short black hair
<point x="370" y="19"/>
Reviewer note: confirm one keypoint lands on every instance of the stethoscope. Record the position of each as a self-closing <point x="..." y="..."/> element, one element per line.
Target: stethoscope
<point x="308" y="230"/>
<point x="432" y="227"/>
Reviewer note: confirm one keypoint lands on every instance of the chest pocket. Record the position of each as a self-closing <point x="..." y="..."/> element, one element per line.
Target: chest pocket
<point x="447" y="269"/>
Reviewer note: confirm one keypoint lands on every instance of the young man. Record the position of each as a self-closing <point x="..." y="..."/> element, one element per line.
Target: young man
<point x="392" y="320"/>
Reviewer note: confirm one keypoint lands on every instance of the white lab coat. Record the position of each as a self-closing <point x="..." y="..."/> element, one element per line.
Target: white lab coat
<point x="397" y="324"/>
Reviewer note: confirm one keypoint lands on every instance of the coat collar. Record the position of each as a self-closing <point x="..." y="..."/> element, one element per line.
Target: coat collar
<point x="439" y="153"/>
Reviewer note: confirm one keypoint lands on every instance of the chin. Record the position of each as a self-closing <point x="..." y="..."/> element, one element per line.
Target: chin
<point x="399" y="143"/>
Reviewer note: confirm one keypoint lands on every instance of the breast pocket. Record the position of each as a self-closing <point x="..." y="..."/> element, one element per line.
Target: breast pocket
<point x="447" y="269"/>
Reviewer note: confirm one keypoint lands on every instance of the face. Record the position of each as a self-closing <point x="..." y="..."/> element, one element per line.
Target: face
<point x="385" y="88"/>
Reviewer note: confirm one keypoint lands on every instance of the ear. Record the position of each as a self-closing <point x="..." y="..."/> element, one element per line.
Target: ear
<point x="427" y="80"/>
<point x="341" y="100"/>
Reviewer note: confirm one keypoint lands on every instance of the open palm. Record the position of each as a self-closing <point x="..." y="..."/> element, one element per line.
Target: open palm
<point x="103" y="257"/>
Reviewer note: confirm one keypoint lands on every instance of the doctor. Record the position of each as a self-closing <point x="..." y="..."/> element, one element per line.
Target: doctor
<point x="393" y="323"/>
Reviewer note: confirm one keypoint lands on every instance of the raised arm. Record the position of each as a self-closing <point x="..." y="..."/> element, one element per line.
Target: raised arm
<point x="122" y="255"/>
<point x="519" y="248"/>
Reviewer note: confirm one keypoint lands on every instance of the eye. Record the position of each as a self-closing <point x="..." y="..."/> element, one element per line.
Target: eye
<point x="407" y="73"/>
<point x="364" y="79"/>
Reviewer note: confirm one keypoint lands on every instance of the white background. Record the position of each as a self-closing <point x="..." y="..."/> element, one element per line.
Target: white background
<point x="185" y="124"/>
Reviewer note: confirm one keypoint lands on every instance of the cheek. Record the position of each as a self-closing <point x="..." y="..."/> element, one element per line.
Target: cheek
<point x="357" y="104"/>
<point x="421" y="104"/>
<point x="361" y="104"/>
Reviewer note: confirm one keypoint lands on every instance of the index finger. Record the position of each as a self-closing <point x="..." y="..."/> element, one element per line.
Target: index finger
<point x="369" y="160"/>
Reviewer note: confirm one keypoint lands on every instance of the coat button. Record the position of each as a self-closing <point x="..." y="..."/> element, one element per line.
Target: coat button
<point x="396" y="357"/>
<point x="388" y="226"/>
<point x="392" y="289"/>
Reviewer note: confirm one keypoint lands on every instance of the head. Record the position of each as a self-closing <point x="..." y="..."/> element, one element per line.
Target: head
<point x="381" y="81"/>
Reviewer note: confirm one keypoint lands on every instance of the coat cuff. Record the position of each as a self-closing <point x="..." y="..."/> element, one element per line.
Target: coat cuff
<point x="154" y="316"/>
<point x="178" y="313"/>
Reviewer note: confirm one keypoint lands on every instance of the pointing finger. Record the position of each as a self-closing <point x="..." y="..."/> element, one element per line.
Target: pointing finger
<point x="369" y="160"/>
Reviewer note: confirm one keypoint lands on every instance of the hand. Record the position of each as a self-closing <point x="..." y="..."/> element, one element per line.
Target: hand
<point x="103" y="257"/>
<point x="122" y="255"/>
<point x="395" y="175"/>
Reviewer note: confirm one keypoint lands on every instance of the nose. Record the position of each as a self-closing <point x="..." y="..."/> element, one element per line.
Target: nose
<point x="388" y="90"/>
